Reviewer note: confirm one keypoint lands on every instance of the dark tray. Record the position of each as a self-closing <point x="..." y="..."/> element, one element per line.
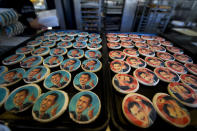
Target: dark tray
<point x="24" y="120"/>
<point x="118" y="120"/>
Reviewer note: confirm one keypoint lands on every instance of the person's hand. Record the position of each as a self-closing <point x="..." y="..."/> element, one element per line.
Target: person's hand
<point x="35" y="24"/>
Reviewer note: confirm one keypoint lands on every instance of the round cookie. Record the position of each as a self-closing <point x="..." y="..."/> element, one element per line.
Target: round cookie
<point x="192" y="68"/>
<point x="138" y="40"/>
<point x="146" y="52"/>
<point x="171" y="110"/>
<point x="183" y="58"/>
<point x="166" y="43"/>
<point x="131" y="52"/>
<point x="158" y="38"/>
<point x="127" y="44"/>
<point x="157" y="48"/>
<point x="83" y="34"/>
<point x="141" y="45"/>
<point x="36" y="74"/>
<point x="146" y="37"/>
<point x="4" y="95"/>
<point x="41" y="51"/>
<point x="166" y="75"/>
<point x="176" y="67"/>
<point x="79" y="45"/>
<point x="90" y="109"/>
<point x="138" y="110"/>
<point x="122" y="35"/>
<point x="95" y="40"/>
<point x="49" y="33"/>
<point x="113" y="39"/>
<point x="11" y="77"/>
<point x="13" y="59"/>
<point x="125" y="39"/>
<point x="54" y="38"/>
<point x="153" y="43"/>
<point x="165" y="56"/>
<point x="25" y="50"/>
<point x="3" y="69"/>
<point x="58" y="51"/>
<point x="113" y="45"/>
<point x="22" y="98"/>
<point x="93" y="54"/>
<point x="183" y="93"/>
<point x="94" y="35"/>
<point x="57" y="80"/>
<point x="94" y="46"/>
<point x="67" y="38"/>
<point x="75" y="53"/>
<point x="119" y="66"/>
<point x="175" y="50"/>
<point x="48" y="44"/>
<point x="125" y="83"/>
<point x="134" y="36"/>
<point x="85" y="81"/>
<point x="136" y="62"/>
<point x="50" y="106"/>
<point x="61" y="33"/>
<point x="146" y="76"/>
<point x="154" y="62"/>
<point x="41" y="38"/>
<point x="34" y="43"/>
<point x="111" y="35"/>
<point x="81" y="39"/>
<point x="64" y="44"/>
<point x="91" y="65"/>
<point x="31" y="61"/>
<point x="189" y="80"/>
<point x="117" y="55"/>
<point x="71" y="33"/>
<point x="71" y="64"/>
<point x="53" y="61"/>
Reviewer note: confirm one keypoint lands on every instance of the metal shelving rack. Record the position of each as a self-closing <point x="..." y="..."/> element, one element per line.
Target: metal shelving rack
<point x="88" y="14"/>
<point x="156" y="15"/>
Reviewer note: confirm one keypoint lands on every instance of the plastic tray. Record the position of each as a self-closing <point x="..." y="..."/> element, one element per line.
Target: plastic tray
<point x="119" y="121"/>
<point x="24" y="120"/>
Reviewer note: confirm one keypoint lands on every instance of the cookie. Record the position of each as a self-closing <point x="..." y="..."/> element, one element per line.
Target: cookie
<point x="136" y="62"/>
<point x="176" y="67"/>
<point x="41" y="51"/>
<point x="64" y="44"/>
<point x="138" y="110"/>
<point x="13" y="59"/>
<point x="153" y="43"/>
<point x="58" y="51"/>
<point x="125" y="39"/>
<point x="157" y="48"/>
<point x="111" y="35"/>
<point x="79" y="45"/>
<point x="183" y="58"/>
<point x="113" y="45"/>
<point x="11" y="77"/>
<point x="61" y="33"/>
<point x="171" y="110"/>
<point x="3" y="69"/>
<point x="125" y="83"/>
<point x="34" y="43"/>
<point x="50" y="106"/>
<point x="113" y="39"/>
<point x="67" y="38"/>
<point x="119" y="66"/>
<point x="25" y="50"/>
<point x="146" y="37"/>
<point x="127" y="44"/>
<point x="71" y="64"/>
<point x="83" y="34"/>
<point x="36" y="74"/>
<point x="166" y="75"/>
<point x="134" y="36"/>
<point x="166" y="43"/>
<point x="146" y="52"/>
<point x="165" y="56"/>
<point x="122" y="35"/>
<point x="93" y="54"/>
<point x="72" y="33"/>
<point x="131" y="52"/>
<point x="183" y="93"/>
<point x="57" y="80"/>
<point x="154" y="62"/>
<point x="81" y="39"/>
<point x="174" y="49"/>
<point x="4" y="95"/>
<point x="158" y="38"/>
<point x="49" y="33"/>
<point x="31" y="61"/>
<point x="41" y="38"/>
<point x="85" y="81"/>
<point x="53" y="61"/>
<point x="117" y="55"/>
<point x="138" y="40"/>
<point x="91" y="65"/>
<point x="94" y="46"/>
<point x="75" y="53"/>
<point x="54" y="38"/>
<point x="22" y="98"/>
<point x="192" y="68"/>
<point x="141" y="45"/>
<point x="94" y="35"/>
<point x="87" y="112"/>
<point x="48" y="44"/>
<point x="95" y="40"/>
<point x="189" y="80"/>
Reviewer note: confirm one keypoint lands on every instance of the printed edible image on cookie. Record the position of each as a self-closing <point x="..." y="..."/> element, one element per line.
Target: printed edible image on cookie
<point x="119" y="66"/>
<point x="13" y="59"/>
<point x="136" y="62"/>
<point x="75" y="53"/>
<point x="58" y="51"/>
<point x="93" y="54"/>
<point x="71" y="64"/>
<point x="4" y="94"/>
<point x="91" y="65"/>
<point x="53" y="61"/>
<point x="31" y="61"/>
